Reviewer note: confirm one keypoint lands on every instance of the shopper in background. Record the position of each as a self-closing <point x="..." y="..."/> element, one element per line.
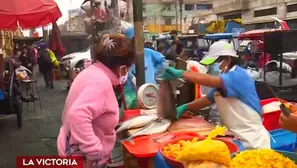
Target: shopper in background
<point x="26" y="59"/>
<point x="46" y="66"/>
<point x="153" y="60"/>
<point x="91" y="110"/>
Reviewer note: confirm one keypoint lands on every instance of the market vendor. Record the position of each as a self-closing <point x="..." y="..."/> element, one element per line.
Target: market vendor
<point x="289" y="123"/>
<point x="234" y="94"/>
<point x="153" y="60"/>
<point x="213" y="69"/>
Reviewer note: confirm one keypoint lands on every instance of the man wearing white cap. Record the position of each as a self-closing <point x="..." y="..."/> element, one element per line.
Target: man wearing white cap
<point x="234" y="94"/>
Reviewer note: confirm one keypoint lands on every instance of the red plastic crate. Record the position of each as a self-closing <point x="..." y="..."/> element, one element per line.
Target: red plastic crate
<point x="271" y="120"/>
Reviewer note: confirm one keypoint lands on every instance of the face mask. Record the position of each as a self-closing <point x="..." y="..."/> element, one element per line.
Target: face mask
<point x="123" y="78"/>
<point x="224" y="69"/>
<point x="214" y="69"/>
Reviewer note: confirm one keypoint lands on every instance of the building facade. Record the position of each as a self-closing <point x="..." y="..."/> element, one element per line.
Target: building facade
<point x="256" y="14"/>
<point x="166" y="15"/>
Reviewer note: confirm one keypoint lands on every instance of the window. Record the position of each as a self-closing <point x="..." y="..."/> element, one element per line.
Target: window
<point x="168" y="20"/>
<point x="166" y="7"/>
<point x="292" y="8"/>
<point x="292" y="24"/>
<point x="235" y="16"/>
<point x="265" y="12"/>
<point x="203" y="6"/>
<point x="189" y="7"/>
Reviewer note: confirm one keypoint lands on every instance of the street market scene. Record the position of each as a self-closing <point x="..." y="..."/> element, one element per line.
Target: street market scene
<point x="149" y="84"/>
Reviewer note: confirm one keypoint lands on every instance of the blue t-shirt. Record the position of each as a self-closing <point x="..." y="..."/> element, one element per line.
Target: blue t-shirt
<point x="153" y="62"/>
<point x="238" y="84"/>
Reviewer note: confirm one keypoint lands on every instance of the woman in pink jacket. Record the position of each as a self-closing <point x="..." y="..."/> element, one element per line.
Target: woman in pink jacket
<point x="91" y="111"/>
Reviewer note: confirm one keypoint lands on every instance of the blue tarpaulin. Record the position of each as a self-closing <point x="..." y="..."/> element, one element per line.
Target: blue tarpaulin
<point x="230" y="25"/>
<point x="218" y="36"/>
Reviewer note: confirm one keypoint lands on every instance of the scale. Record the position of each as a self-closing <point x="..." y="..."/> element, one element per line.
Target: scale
<point x="147" y="96"/>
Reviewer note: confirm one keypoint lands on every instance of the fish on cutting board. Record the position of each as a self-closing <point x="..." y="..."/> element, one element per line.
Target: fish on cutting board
<point x="159" y="126"/>
<point x="137" y="122"/>
<point x="166" y="101"/>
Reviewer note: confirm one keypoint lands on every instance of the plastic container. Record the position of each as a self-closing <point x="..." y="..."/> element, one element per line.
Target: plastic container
<point x="128" y="114"/>
<point x="282" y="138"/>
<point x="288" y="148"/>
<point x="151" y="147"/>
<point x="233" y="148"/>
<point x="271" y="120"/>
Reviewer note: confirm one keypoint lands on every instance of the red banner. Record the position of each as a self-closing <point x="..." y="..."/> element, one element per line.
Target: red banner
<point x="50" y="161"/>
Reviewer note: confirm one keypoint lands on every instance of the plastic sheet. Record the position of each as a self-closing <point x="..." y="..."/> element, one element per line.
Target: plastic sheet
<point x="130" y="95"/>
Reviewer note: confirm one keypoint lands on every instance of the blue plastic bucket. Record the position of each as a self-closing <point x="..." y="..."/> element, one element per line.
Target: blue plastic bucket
<point x="281" y="137"/>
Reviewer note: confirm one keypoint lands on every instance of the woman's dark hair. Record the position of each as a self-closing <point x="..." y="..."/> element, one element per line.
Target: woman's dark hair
<point x="121" y="54"/>
<point x="234" y="61"/>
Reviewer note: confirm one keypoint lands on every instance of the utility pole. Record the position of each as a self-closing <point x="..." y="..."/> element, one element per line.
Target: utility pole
<point x="176" y="15"/>
<point x="139" y="42"/>
<point x="181" y="13"/>
<point x="94" y="31"/>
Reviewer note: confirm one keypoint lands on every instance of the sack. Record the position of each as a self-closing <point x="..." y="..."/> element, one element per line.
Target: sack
<point x="88" y="25"/>
<point x="210" y="150"/>
<point x="87" y="8"/>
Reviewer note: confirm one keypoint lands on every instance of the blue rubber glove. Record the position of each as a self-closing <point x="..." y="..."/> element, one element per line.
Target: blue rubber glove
<point x="171" y="73"/>
<point x="181" y="109"/>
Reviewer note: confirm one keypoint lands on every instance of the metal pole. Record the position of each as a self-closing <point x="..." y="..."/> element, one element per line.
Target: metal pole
<point x="176" y="15"/>
<point x="181" y="13"/>
<point x="93" y="44"/>
<point x="139" y="42"/>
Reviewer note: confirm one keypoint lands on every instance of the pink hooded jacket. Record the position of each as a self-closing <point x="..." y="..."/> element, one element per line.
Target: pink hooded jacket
<point x="91" y="114"/>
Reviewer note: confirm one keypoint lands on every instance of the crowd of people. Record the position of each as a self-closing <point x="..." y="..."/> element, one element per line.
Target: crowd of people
<point x="91" y="110"/>
<point x="27" y="57"/>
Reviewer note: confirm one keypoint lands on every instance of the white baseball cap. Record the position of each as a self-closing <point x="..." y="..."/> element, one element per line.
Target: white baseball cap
<point x="217" y="49"/>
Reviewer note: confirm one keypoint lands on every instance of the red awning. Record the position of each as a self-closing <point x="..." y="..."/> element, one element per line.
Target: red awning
<point x="256" y="34"/>
<point x="29" y="13"/>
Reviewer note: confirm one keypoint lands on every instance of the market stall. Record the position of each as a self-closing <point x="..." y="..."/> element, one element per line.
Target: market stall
<point x="16" y="15"/>
<point x="153" y="142"/>
<point x="147" y="151"/>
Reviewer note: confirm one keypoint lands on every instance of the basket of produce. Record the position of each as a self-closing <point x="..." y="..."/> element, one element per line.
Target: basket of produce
<point x="204" y="152"/>
<point x="264" y="158"/>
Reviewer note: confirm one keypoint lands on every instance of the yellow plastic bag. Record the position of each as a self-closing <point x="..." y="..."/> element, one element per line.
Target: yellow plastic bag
<point x="207" y="150"/>
<point x="53" y="58"/>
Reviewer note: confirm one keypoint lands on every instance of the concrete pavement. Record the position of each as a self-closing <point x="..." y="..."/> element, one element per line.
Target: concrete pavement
<point x="40" y="128"/>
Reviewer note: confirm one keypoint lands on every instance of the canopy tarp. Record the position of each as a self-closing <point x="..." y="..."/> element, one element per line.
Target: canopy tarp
<point x="28" y="13"/>
<point x="256" y="34"/>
